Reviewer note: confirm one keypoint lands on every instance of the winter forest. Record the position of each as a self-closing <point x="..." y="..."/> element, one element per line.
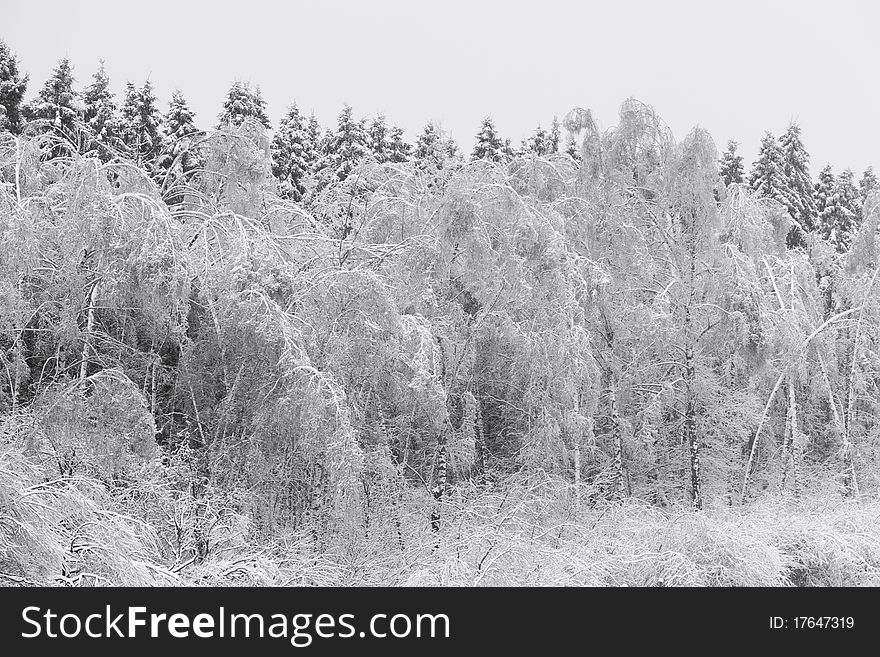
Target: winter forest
<point x="237" y="353"/>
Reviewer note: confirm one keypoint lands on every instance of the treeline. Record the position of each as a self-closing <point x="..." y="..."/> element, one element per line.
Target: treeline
<point x="229" y="358"/>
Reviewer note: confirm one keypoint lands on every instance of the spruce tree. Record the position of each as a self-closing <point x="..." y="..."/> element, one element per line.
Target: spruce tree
<point x="57" y="102"/>
<point x="489" y="145"/>
<point x="377" y="139"/>
<point x="798" y="185"/>
<point x="12" y="89"/>
<point x="141" y="126"/>
<point x="101" y="115"/>
<point x="430" y="151"/>
<point x="836" y="214"/>
<point x="398" y="149"/>
<point x="538" y="144"/>
<point x="850" y="200"/>
<point x="767" y="178"/>
<point x="867" y="184"/>
<point x="553" y="137"/>
<point x="243" y="103"/>
<point x="731" y="165"/>
<point x="180" y="134"/>
<point x="572" y="150"/>
<point x="345" y="147"/>
<point x="293" y="154"/>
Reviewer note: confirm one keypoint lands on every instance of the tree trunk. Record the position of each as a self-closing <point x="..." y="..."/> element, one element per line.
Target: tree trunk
<point x="689" y="428"/>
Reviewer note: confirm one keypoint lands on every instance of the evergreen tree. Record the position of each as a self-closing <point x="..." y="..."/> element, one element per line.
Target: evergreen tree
<point x="141" y="126"/>
<point x="867" y="184"/>
<point x="836" y="211"/>
<point x="553" y="138"/>
<point x="430" y="151"/>
<point x="345" y="147"/>
<point x="489" y="145"/>
<point x="398" y="149"/>
<point x="101" y="115"/>
<point x="12" y="88"/>
<point x="242" y="103"/>
<point x="731" y="165"/>
<point x="378" y="139"/>
<point x="180" y="133"/>
<point x="798" y="185"/>
<point x="767" y="177"/>
<point x="293" y="154"/>
<point x="57" y="102"/>
<point x="850" y="199"/>
<point x="538" y="144"/>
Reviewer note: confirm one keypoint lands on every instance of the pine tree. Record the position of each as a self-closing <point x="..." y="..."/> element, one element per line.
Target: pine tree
<point x="12" y="89"/>
<point x="344" y="148"/>
<point x="429" y="152"/>
<point x="836" y="210"/>
<point x="767" y="178"/>
<point x="180" y="134"/>
<point x="489" y="145"/>
<point x="57" y="102"/>
<point x="731" y="165"/>
<point x="101" y="115"/>
<point x="538" y="144"/>
<point x="850" y="200"/>
<point x="798" y="185"/>
<point x="293" y="154"/>
<point x="242" y="103"/>
<point x="398" y="149"/>
<point x="553" y="138"/>
<point x="377" y="139"/>
<point x="867" y="184"/>
<point x="141" y="126"/>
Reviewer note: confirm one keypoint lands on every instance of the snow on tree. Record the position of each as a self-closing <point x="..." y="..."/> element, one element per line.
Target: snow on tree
<point x="180" y="134"/>
<point x="398" y="150"/>
<point x="553" y="137"/>
<point x="538" y="144"/>
<point x="867" y="184"/>
<point x="243" y="103"/>
<point x="850" y="200"/>
<point x="141" y="126"/>
<point x="57" y="102"/>
<point x="837" y="205"/>
<point x="101" y="115"/>
<point x="345" y="147"/>
<point x="12" y="89"/>
<point x="572" y="149"/>
<point x="767" y="178"/>
<point x="489" y="144"/>
<point x="294" y="154"/>
<point x="378" y="138"/>
<point x="798" y="185"/>
<point x="731" y="165"/>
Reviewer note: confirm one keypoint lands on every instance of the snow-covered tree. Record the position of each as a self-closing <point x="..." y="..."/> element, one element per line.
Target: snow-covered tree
<point x="798" y="185"/>
<point x="554" y="137"/>
<point x="242" y="103"/>
<point x="378" y="138"/>
<point x="430" y="152"/>
<point x="850" y="199"/>
<point x="345" y="147"/>
<point x="572" y="149"/>
<point x="294" y="154"/>
<point x="12" y="88"/>
<point x="57" y="102"/>
<point x="398" y="149"/>
<point x="489" y="144"/>
<point x="867" y="183"/>
<point x="101" y="115"/>
<point x="537" y="144"/>
<point x="180" y="134"/>
<point x="731" y="165"/>
<point x="836" y="217"/>
<point x="767" y="177"/>
<point x="141" y="125"/>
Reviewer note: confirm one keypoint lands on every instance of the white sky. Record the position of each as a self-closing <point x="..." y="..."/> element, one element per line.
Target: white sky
<point x="737" y="68"/>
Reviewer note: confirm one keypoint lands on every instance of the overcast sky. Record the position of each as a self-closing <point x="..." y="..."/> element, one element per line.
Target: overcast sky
<point x="735" y="68"/>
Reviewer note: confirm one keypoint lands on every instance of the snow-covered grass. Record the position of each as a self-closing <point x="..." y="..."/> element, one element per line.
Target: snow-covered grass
<point x="520" y="532"/>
